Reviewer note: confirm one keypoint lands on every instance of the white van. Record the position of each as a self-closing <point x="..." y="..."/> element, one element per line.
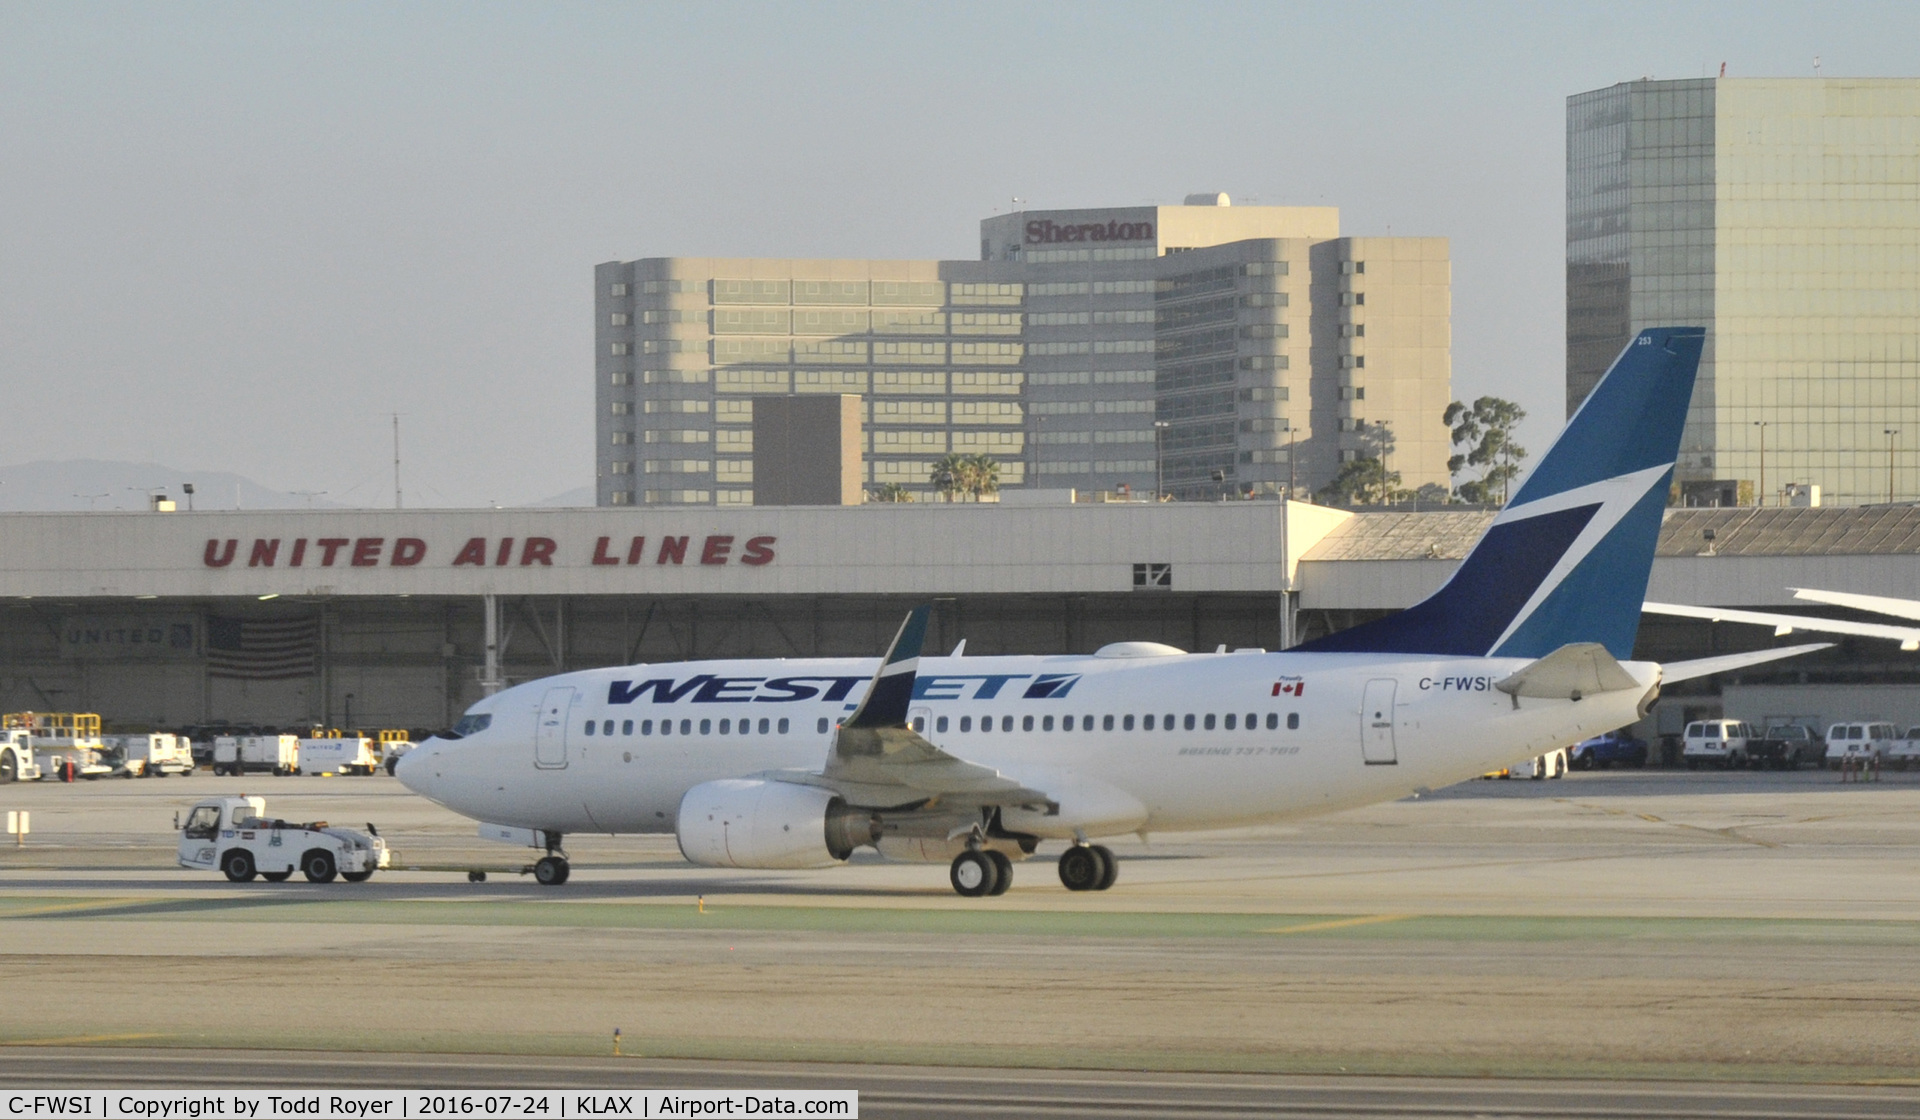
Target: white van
<point x="1721" y="742"/>
<point x="1858" y="741"/>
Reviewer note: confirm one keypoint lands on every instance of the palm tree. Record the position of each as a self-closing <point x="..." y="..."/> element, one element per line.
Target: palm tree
<point x="893" y="492"/>
<point x="950" y="474"/>
<point x="983" y="476"/>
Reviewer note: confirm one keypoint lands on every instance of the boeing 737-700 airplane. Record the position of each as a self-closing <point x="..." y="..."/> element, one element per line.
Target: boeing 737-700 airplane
<point x="976" y="761"/>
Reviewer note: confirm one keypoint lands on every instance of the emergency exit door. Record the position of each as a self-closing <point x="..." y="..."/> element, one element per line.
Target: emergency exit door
<point x="550" y="730"/>
<point x="1376" y="724"/>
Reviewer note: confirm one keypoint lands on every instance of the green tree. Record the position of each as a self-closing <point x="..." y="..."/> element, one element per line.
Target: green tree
<point x="982" y="476"/>
<point x="1363" y="481"/>
<point x="1485" y="430"/>
<point x="892" y="492"/>
<point x="949" y="475"/>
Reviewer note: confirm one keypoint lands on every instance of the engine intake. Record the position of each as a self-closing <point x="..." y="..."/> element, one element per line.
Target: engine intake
<point x="751" y="822"/>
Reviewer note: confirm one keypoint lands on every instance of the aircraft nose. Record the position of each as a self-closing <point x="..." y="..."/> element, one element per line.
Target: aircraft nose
<point x="415" y="768"/>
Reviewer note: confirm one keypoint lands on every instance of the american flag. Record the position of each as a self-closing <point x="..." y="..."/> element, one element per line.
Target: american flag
<point x="249" y="650"/>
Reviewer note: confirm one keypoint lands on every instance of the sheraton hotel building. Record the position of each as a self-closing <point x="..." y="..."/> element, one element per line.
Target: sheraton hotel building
<point x="1207" y="349"/>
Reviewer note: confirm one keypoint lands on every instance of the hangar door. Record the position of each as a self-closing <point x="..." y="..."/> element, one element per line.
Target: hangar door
<point x="550" y="731"/>
<point x="1376" y="724"/>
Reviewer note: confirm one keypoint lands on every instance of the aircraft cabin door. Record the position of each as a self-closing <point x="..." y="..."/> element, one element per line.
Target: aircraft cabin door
<point x="1376" y="724"/>
<point x="550" y="730"/>
<point x="921" y="720"/>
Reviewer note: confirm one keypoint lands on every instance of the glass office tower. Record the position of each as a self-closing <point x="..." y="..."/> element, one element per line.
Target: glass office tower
<point x="1783" y="214"/>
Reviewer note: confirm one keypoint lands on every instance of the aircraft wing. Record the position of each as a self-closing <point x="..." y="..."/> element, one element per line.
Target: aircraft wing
<point x="1783" y="624"/>
<point x="1877" y="604"/>
<point x="879" y="761"/>
<point x="1675" y="671"/>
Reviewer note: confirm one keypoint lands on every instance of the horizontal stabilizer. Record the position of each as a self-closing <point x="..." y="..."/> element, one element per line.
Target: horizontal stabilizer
<point x="1569" y="673"/>
<point x="1784" y="624"/>
<point x="1676" y="671"/>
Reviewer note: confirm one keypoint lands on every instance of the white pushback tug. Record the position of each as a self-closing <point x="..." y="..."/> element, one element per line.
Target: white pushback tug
<point x="235" y="836"/>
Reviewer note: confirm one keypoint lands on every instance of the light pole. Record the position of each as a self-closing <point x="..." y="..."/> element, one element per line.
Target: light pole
<point x="1760" y="498"/>
<point x="1289" y="464"/>
<point x="1890" y="432"/>
<point x="1159" y="459"/>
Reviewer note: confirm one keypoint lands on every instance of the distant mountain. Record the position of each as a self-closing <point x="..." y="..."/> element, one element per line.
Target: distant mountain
<point x="100" y="484"/>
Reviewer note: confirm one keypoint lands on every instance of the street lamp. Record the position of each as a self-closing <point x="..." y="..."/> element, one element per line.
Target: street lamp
<point x="1159" y="459"/>
<point x="1760" y="498"/>
<point x="1890" y="433"/>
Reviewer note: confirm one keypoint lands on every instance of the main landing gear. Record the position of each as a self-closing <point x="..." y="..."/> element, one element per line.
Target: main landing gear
<point x="977" y="873"/>
<point x="552" y="869"/>
<point x="1088" y="867"/>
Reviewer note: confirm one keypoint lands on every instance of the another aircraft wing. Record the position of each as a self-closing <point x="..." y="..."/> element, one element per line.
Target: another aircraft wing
<point x="1675" y="671"/>
<point x="1783" y="624"/>
<point x="879" y="761"/>
<point x="1878" y="604"/>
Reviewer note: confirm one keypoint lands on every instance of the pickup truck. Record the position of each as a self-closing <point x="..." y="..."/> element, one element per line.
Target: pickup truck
<point x="1602" y="751"/>
<point x="1785" y="746"/>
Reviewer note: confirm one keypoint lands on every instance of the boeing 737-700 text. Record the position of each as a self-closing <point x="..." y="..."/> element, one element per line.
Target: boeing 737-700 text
<point x="976" y="761"/>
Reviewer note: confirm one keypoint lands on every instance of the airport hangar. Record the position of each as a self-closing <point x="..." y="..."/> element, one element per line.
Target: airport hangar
<point x="379" y="618"/>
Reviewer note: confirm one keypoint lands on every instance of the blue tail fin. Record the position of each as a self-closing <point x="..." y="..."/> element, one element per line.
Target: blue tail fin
<point x="1568" y="559"/>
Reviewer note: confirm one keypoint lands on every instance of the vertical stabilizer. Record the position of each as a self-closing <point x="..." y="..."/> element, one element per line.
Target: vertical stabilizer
<point x="1567" y="560"/>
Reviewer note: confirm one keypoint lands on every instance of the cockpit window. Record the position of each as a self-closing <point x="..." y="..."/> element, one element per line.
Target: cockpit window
<point x="472" y="723"/>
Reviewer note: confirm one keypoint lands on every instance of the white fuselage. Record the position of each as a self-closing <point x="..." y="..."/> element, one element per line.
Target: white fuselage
<point x="1330" y="731"/>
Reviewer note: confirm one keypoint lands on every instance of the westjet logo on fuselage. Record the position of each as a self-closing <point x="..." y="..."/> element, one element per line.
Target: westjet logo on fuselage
<point x="706" y="688"/>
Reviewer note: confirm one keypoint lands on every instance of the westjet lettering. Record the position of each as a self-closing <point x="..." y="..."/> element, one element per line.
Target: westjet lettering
<point x="977" y="761"/>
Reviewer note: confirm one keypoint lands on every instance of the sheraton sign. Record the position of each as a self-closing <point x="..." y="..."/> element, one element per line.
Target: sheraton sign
<point x="484" y="552"/>
<point x="1043" y="232"/>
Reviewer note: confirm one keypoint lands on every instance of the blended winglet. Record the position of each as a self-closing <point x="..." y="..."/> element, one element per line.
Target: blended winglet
<point x="891" y="692"/>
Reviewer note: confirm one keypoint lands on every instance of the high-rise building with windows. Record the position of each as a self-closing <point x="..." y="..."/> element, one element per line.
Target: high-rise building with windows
<point x="1783" y="214"/>
<point x="1202" y="350"/>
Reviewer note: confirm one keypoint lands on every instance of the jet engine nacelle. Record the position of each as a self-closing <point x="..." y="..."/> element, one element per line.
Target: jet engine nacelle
<point x="751" y="822"/>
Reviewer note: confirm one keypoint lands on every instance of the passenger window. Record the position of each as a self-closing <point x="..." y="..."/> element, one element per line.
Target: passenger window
<point x="1293" y="721"/>
<point x="1167" y="722"/>
<point x="986" y="723"/>
<point x="726" y="727"/>
<point x="606" y="728"/>
<point x="626" y="727"/>
<point x="646" y="727"/>
<point x="1208" y="722"/>
<point x="1253" y="720"/>
<point x="1713" y="732"/>
<point x="686" y="727"/>
<point x="1231" y="721"/>
<point x="1189" y="723"/>
<point x="1146" y="722"/>
<point x="1026" y="723"/>
<point x="919" y="724"/>
<point x="1273" y="721"/>
<point x="822" y="728"/>
<point x="1086" y="723"/>
<point x="940" y="724"/>
<point x="1126" y="723"/>
<point x="706" y="727"/>
<point x="1046" y="723"/>
<point x="763" y="726"/>
<point x="590" y="727"/>
<point x="1106" y="723"/>
<point x="966" y="723"/>
<point x="1006" y="723"/>
<point x="1066" y="723"/>
<point x="783" y="725"/>
<point x="1693" y="730"/>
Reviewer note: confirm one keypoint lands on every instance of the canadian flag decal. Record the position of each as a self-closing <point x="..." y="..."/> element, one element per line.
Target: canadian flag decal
<point x="1292" y="686"/>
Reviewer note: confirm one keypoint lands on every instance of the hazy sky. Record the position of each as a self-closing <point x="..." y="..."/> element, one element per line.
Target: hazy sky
<point x="238" y="236"/>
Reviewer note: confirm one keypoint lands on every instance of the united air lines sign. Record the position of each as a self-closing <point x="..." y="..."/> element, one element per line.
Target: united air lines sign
<point x="711" y="550"/>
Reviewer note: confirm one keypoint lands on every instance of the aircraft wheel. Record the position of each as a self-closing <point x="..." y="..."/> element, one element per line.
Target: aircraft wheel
<point x="476" y="876"/>
<point x="551" y="871"/>
<point x="1080" y="868"/>
<point x="318" y="866"/>
<point x="1109" y="866"/>
<point x="1003" y="871"/>
<point x="356" y="876"/>
<point x="973" y="874"/>
<point x="276" y="876"/>
<point x="237" y="866"/>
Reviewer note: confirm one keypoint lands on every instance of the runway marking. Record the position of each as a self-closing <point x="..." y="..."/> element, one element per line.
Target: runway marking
<point x="1342" y="923"/>
<point x="79" y="1040"/>
<point x="89" y="904"/>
